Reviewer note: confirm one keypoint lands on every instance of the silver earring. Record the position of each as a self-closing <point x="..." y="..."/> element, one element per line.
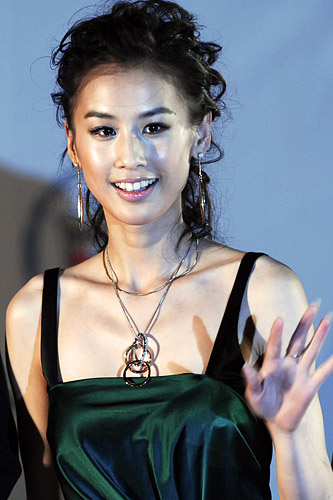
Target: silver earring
<point x="80" y="204"/>
<point x="202" y="192"/>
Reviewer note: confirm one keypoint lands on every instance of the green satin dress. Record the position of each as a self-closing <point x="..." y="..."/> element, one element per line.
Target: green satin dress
<point x="180" y="437"/>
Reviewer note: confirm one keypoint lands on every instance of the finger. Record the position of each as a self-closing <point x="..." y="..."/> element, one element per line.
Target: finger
<point x="298" y="340"/>
<point x="317" y="341"/>
<point x="322" y="373"/>
<point x="273" y="346"/>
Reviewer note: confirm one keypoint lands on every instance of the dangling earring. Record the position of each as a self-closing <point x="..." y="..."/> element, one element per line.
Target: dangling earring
<point x="80" y="204"/>
<point x="202" y="195"/>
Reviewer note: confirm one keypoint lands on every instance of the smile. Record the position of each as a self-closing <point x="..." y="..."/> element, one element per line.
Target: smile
<point x="135" y="186"/>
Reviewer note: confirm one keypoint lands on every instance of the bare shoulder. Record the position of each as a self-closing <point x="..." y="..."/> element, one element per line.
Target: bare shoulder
<point x="273" y="291"/>
<point x="24" y="310"/>
<point x="26" y="304"/>
<point x="275" y="283"/>
<point x="272" y="283"/>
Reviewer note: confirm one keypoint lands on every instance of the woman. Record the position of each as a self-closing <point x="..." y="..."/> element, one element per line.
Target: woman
<point x="127" y="379"/>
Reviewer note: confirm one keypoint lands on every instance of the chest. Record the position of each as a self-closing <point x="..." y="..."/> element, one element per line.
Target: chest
<point x="95" y="330"/>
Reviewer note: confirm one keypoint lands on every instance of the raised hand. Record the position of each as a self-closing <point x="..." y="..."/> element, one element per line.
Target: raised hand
<point x="282" y="390"/>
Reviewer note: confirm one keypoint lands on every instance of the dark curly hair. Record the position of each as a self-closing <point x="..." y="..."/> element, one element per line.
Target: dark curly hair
<point x="165" y="37"/>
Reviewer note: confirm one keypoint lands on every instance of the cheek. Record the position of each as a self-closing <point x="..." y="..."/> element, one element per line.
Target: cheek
<point x="175" y="152"/>
<point x="95" y="172"/>
<point x="181" y="156"/>
<point x="98" y="156"/>
<point x="93" y="157"/>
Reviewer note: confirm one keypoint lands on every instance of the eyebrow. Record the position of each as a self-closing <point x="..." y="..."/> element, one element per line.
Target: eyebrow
<point x="146" y="114"/>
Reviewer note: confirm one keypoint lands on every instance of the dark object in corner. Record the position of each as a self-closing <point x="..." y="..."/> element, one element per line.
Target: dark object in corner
<point x="10" y="468"/>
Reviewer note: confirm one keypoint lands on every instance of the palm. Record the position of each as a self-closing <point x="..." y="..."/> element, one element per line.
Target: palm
<point x="282" y="390"/>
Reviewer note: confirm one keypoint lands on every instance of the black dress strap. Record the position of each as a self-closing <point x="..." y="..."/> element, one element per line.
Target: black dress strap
<point x="49" y="328"/>
<point x="226" y="359"/>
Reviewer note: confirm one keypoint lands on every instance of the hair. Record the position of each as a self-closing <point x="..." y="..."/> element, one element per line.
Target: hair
<point x="166" y="38"/>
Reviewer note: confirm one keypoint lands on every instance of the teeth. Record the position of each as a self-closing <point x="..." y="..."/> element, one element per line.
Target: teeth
<point x="135" y="186"/>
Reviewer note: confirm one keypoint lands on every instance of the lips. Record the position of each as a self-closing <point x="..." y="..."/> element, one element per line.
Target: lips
<point x="139" y="185"/>
<point x="134" y="190"/>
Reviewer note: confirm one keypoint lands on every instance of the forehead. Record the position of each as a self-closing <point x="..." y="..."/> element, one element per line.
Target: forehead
<point x="129" y="91"/>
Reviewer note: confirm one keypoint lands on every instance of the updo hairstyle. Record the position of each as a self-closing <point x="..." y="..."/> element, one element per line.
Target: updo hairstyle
<point x="164" y="37"/>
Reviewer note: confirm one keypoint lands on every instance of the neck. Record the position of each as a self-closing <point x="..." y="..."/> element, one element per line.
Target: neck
<point x="144" y="259"/>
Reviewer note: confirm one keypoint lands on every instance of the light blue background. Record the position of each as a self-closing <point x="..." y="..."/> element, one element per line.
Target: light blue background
<point x="276" y="179"/>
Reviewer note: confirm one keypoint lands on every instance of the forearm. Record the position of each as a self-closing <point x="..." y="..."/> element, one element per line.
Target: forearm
<point x="303" y="472"/>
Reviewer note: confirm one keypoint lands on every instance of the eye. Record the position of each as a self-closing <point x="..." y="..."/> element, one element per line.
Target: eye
<point x="155" y="128"/>
<point x="104" y="132"/>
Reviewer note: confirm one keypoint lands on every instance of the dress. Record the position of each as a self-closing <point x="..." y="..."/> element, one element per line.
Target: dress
<point x="181" y="437"/>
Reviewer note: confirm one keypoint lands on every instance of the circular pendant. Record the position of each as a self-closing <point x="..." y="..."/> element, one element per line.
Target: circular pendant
<point x="137" y="367"/>
<point x="137" y="353"/>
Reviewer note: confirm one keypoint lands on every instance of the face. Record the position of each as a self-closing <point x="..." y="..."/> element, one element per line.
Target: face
<point x="133" y="140"/>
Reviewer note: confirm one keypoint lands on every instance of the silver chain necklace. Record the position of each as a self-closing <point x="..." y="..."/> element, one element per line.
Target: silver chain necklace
<point x="134" y="364"/>
<point x="112" y="274"/>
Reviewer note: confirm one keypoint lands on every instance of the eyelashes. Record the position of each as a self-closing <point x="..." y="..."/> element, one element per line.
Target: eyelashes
<point x="104" y="132"/>
<point x="151" y="129"/>
<point x="155" y="128"/>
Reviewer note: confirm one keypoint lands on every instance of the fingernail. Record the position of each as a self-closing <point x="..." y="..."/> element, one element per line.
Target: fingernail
<point x="327" y="320"/>
<point x="329" y="317"/>
<point x="316" y="303"/>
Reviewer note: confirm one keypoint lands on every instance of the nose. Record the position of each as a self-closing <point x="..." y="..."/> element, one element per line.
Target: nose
<point x="129" y="152"/>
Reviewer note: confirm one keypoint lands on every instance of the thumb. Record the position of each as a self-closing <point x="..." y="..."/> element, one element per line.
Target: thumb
<point x="252" y="379"/>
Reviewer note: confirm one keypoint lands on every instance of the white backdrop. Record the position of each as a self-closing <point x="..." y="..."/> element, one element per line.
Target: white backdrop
<point x="276" y="179"/>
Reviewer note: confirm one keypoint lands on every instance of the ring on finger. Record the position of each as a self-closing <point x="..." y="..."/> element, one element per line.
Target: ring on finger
<point x="296" y="355"/>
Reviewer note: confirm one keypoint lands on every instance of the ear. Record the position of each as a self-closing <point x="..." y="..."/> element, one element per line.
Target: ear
<point x="203" y="136"/>
<point x="70" y="143"/>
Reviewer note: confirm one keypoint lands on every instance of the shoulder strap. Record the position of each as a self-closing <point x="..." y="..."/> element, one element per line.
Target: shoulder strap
<point x="226" y="359"/>
<point x="49" y="328"/>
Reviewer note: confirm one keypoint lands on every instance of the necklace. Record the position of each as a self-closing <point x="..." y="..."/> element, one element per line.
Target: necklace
<point x="111" y="274"/>
<point x="134" y="363"/>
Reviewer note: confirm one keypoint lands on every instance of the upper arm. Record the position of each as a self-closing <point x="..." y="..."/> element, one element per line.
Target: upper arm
<point x="274" y="291"/>
<point x="29" y="387"/>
